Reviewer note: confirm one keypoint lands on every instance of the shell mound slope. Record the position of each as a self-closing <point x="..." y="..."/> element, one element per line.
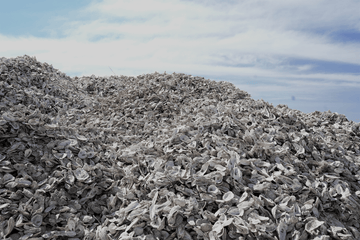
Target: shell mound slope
<point x="168" y="156"/>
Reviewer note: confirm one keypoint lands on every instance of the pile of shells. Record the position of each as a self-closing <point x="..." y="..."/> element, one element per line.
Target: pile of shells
<point x="168" y="156"/>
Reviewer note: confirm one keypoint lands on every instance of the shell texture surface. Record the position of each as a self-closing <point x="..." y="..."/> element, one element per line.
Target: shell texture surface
<point x="168" y="156"/>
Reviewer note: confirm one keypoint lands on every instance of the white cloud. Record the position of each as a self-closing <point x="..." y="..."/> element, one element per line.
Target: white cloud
<point x="305" y="67"/>
<point x="204" y="37"/>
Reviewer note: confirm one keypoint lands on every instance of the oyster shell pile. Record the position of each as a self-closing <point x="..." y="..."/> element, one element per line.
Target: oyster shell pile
<point x="168" y="156"/>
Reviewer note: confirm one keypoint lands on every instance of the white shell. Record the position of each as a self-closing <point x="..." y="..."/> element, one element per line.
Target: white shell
<point x="228" y="196"/>
<point x="80" y="174"/>
<point x="312" y="225"/>
<point x="212" y="189"/>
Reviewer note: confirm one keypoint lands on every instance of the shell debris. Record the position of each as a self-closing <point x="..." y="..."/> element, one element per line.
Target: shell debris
<point x="168" y="156"/>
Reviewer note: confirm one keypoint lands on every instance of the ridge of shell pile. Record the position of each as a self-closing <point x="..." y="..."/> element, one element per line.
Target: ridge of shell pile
<point x="168" y="156"/>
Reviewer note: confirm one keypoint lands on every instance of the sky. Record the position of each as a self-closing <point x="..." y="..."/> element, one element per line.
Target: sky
<point x="302" y="53"/>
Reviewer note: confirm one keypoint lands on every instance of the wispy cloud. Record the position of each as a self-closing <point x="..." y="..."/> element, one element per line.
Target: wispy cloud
<point x="259" y="34"/>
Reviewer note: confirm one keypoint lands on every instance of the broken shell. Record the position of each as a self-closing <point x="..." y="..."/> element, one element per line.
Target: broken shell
<point x="7" y="178"/>
<point x="228" y="196"/>
<point x="312" y="225"/>
<point x="59" y="155"/>
<point x="80" y="174"/>
<point x="27" y="152"/>
<point x="234" y="211"/>
<point x="91" y="154"/>
<point x="206" y="227"/>
<point x="10" y="226"/>
<point x="37" y="220"/>
<point x="82" y="154"/>
<point x="81" y="138"/>
<point x="8" y="117"/>
<point x="212" y="189"/>
<point x="69" y="177"/>
<point x="281" y="229"/>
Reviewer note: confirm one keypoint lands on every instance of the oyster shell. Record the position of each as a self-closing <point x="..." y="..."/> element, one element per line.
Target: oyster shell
<point x="37" y="220"/>
<point x="81" y="175"/>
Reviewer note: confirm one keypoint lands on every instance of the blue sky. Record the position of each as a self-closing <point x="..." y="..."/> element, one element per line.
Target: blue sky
<point x="305" y="54"/>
